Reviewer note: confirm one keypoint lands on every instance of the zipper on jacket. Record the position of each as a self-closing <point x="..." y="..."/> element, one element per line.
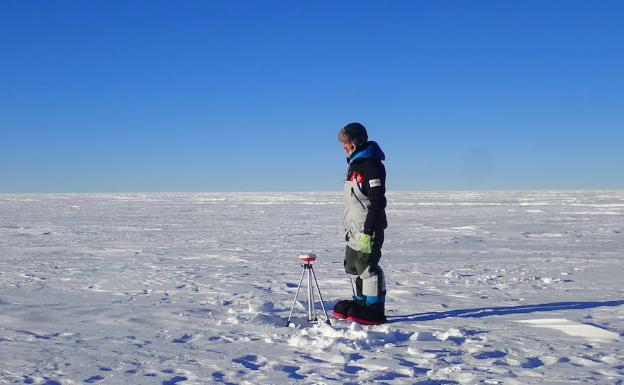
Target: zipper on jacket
<point x="356" y="197"/>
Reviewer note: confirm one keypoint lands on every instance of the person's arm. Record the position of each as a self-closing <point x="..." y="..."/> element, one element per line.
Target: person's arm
<point x="374" y="187"/>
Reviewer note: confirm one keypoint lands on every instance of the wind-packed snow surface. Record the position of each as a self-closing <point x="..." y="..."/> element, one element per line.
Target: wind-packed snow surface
<point x="483" y="288"/>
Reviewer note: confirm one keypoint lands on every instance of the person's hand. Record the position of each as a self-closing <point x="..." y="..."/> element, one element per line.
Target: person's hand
<point x="366" y="243"/>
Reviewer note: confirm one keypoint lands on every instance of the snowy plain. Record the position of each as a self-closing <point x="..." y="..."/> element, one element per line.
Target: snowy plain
<point x="195" y="288"/>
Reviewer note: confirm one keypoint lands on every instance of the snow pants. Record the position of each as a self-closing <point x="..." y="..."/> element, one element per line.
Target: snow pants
<point x="366" y="274"/>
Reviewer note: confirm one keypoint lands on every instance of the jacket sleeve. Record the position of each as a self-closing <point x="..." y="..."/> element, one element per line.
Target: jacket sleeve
<point x="374" y="187"/>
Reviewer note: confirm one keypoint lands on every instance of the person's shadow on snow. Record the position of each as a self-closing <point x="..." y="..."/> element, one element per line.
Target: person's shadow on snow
<point x="502" y="310"/>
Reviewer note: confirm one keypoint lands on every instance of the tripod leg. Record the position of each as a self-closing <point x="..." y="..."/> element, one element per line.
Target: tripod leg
<point x="295" y="300"/>
<point x="313" y="307"/>
<point x="310" y="295"/>
<point x="321" y="298"/>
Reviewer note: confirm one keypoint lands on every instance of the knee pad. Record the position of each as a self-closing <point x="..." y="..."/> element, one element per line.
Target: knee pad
<point x="371" y="285"/>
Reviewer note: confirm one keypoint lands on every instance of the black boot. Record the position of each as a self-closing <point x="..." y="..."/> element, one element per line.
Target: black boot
<point x="341" y="308"/>
<point x="367" y="314"/>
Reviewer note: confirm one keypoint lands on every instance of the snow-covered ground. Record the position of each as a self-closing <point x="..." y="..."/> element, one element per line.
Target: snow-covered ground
<point x="492" y="288"/>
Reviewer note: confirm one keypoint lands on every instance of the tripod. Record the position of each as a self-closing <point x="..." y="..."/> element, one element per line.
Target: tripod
<point x="307" y="267"/>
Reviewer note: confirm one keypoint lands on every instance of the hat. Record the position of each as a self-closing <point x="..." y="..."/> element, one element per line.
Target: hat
<point x="356" y="132"/>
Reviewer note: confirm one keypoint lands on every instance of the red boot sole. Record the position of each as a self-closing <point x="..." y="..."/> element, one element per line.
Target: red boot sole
<point x="339" y="315"/>
<point x="365" y="322"/>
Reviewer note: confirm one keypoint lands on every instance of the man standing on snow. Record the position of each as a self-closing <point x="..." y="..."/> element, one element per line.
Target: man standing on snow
<point x="364" y="224"/>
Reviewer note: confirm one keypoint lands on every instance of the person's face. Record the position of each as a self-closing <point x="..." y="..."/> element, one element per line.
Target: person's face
<point x="348" y="148"/>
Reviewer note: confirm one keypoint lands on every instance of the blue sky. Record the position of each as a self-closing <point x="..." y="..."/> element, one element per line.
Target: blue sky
<point x="249" y="95"/>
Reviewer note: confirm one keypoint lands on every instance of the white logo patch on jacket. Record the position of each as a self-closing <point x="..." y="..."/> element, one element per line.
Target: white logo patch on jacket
<point x="375" y="182"/>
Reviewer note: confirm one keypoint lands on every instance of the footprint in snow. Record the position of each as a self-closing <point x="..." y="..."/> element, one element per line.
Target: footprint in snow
<point x="532" y="362"/>
<point x="94" y="379"/>
<point x="492" y="354"/>
<point x="291" y="371"/>
<point x="182" y="339"/>
<point x="174" y="380"/>
<point x="250" y="361"/>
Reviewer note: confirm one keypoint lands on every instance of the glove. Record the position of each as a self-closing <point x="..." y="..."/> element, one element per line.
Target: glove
<point x="366" y="243"/>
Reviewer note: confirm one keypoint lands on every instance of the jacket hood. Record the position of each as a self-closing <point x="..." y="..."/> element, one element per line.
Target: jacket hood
<point x="370" y="151"/>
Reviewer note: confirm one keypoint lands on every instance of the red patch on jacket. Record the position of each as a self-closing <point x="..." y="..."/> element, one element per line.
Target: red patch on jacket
<point x="358" y="177"/>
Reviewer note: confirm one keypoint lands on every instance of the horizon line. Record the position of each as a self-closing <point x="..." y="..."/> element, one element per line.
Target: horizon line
<point x="319" y="191"/>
